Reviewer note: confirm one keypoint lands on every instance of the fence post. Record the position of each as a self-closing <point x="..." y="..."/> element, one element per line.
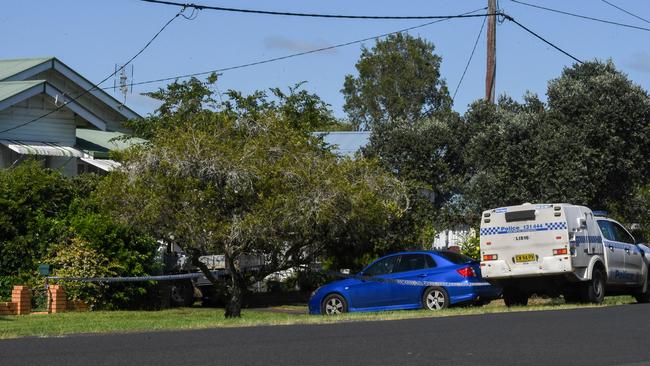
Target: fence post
<point x="21" y="296"/>
<point x="56" y="299"/>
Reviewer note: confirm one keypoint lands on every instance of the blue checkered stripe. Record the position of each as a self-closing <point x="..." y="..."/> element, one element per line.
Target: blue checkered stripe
<point x="497" y="230"/>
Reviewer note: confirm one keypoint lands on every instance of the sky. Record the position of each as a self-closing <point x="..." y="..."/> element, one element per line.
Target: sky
<point x="91" y="36"/>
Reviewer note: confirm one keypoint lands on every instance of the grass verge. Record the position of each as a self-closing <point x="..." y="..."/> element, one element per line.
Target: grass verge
<point x="200" y="318"/>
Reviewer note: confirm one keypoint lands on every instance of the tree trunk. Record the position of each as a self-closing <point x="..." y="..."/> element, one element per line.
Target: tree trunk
<point x="236" y="289"/>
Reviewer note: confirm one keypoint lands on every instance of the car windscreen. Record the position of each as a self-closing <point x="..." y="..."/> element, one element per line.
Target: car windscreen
<point x="456" y="258"/>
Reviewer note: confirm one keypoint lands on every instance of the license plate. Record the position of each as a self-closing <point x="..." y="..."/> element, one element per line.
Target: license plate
<point x="520" y="258"/>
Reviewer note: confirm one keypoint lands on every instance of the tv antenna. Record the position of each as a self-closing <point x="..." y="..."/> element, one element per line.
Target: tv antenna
<point x="123" y="82"/>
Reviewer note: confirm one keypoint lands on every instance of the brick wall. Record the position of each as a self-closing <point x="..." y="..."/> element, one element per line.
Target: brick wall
<point x="21" y="296"/>
<point x="56" y="299"/>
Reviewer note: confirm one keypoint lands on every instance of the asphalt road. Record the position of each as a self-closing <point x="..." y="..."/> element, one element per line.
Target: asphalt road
<point x="604" y="336"/>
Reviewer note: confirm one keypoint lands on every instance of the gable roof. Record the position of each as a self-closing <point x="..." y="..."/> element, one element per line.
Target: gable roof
<point x="12" y="92"/>
<point x="22" y="69"/>
<point x="9" y="68"/>
<point x="10" y="89"/>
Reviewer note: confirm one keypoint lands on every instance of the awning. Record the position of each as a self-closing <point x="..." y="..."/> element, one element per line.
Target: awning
<point x="103" y="164"/>
<point x="41" y="148"/>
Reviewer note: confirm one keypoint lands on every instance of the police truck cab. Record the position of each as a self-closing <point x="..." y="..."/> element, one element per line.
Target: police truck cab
<point x="561" y="249"/>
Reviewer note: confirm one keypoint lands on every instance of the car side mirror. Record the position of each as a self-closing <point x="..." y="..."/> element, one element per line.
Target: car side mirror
<point x="582" y="223"/>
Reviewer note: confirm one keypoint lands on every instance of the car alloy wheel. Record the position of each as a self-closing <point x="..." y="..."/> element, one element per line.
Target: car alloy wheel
<point x="436" y="298"/>
<point x="334" y="305"/>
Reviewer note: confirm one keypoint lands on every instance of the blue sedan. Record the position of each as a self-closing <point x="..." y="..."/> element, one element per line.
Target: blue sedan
<point x="393" y="283"/>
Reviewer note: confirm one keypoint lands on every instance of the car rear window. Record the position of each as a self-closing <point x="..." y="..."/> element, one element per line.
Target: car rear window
<point x="456" y="258"/>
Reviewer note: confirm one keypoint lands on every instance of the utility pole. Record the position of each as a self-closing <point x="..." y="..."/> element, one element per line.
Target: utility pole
<point x="491" y="71"/>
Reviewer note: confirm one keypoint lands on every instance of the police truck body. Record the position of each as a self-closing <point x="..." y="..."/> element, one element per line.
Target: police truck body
<point x="561" y="249"/>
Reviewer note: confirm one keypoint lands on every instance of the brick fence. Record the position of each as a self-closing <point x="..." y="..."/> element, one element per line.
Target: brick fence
<point x="20" y="304"/>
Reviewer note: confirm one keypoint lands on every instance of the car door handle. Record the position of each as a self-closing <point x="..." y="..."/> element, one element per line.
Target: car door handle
<point x="422" y="275"/>
<point x="611" y="248"/>
<point x="627" y="250"/>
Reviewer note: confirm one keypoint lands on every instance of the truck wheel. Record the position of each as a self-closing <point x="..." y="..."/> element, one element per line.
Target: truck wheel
<point x="643" y="296"/>
<point x="514" y="297"/>
<point x="594" y="291"/>
<point x="181" y="294"/>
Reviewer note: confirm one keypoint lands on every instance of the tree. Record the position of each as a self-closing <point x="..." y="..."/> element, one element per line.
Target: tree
<point x="223" y="182"/>
<point x="589" y="145"/>
<point x="399" y="79"/>
<point x="184" y="100"/>
<point x="606" y="118"/>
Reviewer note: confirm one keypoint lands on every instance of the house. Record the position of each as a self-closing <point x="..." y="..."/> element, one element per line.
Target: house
<point x="74" y="138"/>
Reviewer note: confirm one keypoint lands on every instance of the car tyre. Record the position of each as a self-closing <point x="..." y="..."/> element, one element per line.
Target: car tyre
<point x="594" y="291"/>
<point x="513" y="296"/>
<point x="435" y="298"/>
<point x="334" y="304"/>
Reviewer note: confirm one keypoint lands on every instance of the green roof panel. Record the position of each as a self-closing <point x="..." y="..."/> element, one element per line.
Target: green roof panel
<point x="10" y="88"/>
<point x="99" y="143"/>
<point x="9" y="68"/>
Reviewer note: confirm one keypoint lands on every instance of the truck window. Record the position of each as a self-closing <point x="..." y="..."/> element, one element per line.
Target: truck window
<point x="622" y="234"/>
<point x="520" y="215"/>
<point x="607" y="230"/>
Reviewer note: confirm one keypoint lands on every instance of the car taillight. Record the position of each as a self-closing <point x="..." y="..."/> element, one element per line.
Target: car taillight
<point x="561" y="251"/>
<point x="490" y="257"/>
<point x="466" y="272"/>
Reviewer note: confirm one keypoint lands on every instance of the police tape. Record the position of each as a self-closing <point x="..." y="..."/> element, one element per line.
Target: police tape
<point x="185" y="276"/>
<point x="174" y="277"/>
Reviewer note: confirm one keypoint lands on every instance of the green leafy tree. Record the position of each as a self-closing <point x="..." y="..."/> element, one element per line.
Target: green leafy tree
<point x="221" y="183"/>
<point x="589" y="145"/>
<point x="398" y="79"/>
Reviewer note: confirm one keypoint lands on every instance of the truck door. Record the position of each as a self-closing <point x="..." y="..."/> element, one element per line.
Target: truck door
<point x="614" y="253"/>
<point x="633" y="258"/>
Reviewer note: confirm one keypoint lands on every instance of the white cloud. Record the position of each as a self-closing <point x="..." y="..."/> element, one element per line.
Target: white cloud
<point x="639" y="62"/>
<point x="284" y="43"/>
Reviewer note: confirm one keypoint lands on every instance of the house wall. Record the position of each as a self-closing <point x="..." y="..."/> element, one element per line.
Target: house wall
<point x="58" y="127"/>
<point x="113" y="119"/>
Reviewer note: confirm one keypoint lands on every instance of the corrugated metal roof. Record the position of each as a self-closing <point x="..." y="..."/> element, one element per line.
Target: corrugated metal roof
<point x="103" y="164"/>
<point x="10" y="88"/>
<point x="41" y="148"/>
<point x="99" y="143"/>
<point x="10" y="68"/>
<point x="345" y="143"/>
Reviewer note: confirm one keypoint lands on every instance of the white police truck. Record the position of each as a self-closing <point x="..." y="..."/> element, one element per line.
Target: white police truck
<point x="561" y="249"/>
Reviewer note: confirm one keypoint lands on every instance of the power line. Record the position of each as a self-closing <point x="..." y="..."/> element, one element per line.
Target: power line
<point x="508" y="17"/>
<point x="95" y="87"/>
<point x="582" y="16"/>
<point x="309" y="15"/>
<point x="625" y="11"/>
<point x="265" y="61"/>
<point x="470" y="59"/>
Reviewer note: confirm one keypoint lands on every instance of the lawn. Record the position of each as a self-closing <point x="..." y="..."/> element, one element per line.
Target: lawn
<point x="197" y="318"/>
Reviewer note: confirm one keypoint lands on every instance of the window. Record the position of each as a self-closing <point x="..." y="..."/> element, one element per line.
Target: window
<point x="621" y="234"/>
<point x="414" y="262"/>
<point x="456" y="258"/>
<point x="384" y="266"/>
<point x="615" y="232"/>
<point x="607" y="229"/>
